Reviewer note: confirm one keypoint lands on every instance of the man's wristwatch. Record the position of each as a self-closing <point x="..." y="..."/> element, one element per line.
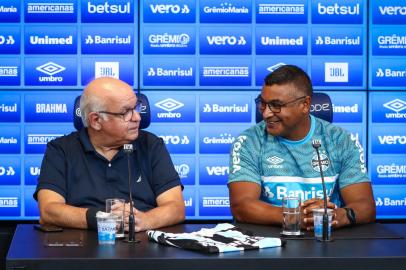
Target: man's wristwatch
<point x="351" y="216"/>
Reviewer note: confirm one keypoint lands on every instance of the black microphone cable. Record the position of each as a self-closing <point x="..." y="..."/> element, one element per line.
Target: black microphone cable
<point x="316" y="145"/>
<point x="128" y="148"/>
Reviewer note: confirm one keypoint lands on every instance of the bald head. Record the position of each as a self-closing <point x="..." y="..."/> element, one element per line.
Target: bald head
<point x="100" y="94"/>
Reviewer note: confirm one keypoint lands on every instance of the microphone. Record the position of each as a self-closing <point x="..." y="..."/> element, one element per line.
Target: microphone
<point x="128" y="148"/>
<point x="316" y="145"/>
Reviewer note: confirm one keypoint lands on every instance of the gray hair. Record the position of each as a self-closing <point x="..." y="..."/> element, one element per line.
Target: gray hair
<point x="88" y="104"/>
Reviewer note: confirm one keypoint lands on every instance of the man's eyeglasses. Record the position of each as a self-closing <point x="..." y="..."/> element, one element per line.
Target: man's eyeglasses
<point x="128" y="114"/>
<point x="273" y="106"/>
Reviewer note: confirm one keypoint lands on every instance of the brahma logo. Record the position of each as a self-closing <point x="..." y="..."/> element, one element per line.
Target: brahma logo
<point x="216" y="201"/>
<point x="52" y="108"/>
<point x="169" y="9"/>
<point x="336" y="72"/>
<point x="8" y="202"/>
<point x="396" y="105"/>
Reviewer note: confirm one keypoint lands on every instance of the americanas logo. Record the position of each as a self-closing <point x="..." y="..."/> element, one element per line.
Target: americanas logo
<point x="10" y="71"/>
<point x="169" y="41"/>
<point x="10" y="11"/>
<point x="214" y="72"/>
<point x="51" y="12"/>
<point x="344" y="41"/>
<point x="50" y="40"/>
<point x="170" y="11"/>
<point x="388" y="12"/>
<point x="221" y="109"/>
<point x="338" y="12"/>
<point x="231" y="11"/>
<point x="111" y="11"/>
<point x="389" y="41"/>
<point x="108" y="40"/>
<point x="276" y="11"/>
<point x="225" y="41"/>
<point x="169" y="72"/>
<point x="214" y="202"/>
<point x="281" y="41"/>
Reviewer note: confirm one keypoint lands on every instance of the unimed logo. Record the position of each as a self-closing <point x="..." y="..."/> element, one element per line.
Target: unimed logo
<point x="216" y="201"/>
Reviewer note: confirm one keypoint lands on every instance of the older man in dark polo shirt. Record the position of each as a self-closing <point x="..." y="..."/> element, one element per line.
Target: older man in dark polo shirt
<point x="81" y="170"/>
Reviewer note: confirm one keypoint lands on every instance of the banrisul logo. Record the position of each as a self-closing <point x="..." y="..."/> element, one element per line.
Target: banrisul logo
<point x="231" y="11"/>
<point x="276" y="11"/>
<point x="171" y="72"/>
<point x="343" y="41"/>
<point x="10" y="107"/>
<point x="112" y="11"/>
<point x="388" y="12"/>
<point x="338" y="12"/>
<point x="170" y="11"/>
<point x="397" y="108"/>
<point x="215" y="40"/>
<point x="221" y="109"/>
<point x="108" y="40"/>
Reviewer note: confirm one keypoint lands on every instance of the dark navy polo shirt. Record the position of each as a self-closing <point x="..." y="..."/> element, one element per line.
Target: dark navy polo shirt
<point x="72" y="167"/>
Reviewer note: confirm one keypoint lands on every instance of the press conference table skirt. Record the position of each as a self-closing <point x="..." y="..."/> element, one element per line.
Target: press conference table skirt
<point x="372" y="246"/>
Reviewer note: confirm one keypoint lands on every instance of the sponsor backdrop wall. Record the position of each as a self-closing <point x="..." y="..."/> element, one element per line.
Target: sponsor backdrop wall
<point x="201" y="63"/>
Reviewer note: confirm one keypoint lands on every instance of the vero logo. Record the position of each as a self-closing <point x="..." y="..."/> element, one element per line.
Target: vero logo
<point x="395" y="105"/>
<point x="169" y="104"/>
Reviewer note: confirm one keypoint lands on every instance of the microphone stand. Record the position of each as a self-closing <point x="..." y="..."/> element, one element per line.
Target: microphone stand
<point x="316" y="145"/>
<point x="128" y="148"/>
